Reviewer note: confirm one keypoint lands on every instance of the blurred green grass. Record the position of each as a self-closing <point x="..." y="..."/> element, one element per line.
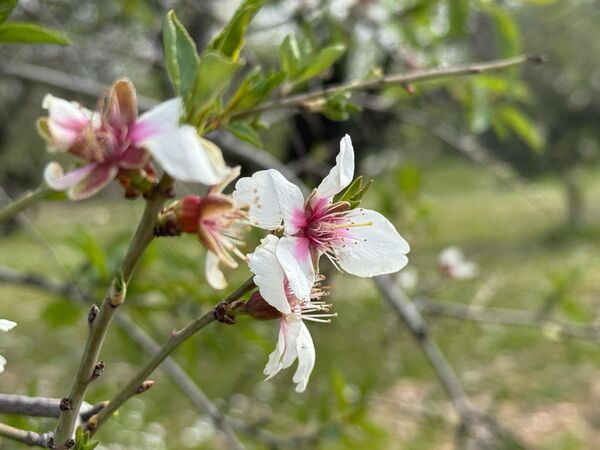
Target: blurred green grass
<point x="371" y="385"/>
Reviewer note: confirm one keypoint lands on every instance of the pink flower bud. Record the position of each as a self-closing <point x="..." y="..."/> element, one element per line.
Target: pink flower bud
<point x="259" y="309"/>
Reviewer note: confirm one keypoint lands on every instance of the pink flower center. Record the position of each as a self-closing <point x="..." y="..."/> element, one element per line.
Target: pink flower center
<point x="328" y="225"/>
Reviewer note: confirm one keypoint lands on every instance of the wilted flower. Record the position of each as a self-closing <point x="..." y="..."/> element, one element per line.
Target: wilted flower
<point x="217" y="220"/>
<point x="116" y="141"/>
<point x="453" y="264"/>
<point x="5" y="325"/>
<point x="359" y="241"/>
<point x="294" y="340"/>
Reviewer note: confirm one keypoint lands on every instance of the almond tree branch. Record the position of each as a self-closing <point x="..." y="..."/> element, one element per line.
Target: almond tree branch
<point x="89" y="365"/>
<point x="471" y="420"/>
<point x="36" y="406"/>
<point x="25" y="201"/>
<point x="175" y="340"/>
<point x="30" y="438"/>
<point x="302" y="100"/>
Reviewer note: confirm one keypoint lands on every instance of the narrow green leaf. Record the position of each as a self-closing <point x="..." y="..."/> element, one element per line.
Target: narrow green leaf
<point x="231" y="38"/>
<point x="507" y="31"/>
<point x="522" y="126"/>
<point x="289" y="56"/>
<point x="352" y="189"/>
<point x="181" y="56"/>
<point x="458" y="15"/>
<point x="6" y="7"/>
<point x="213" y="77"/>
<point x="321" y="62"/>
<point x="254" y="89"/>
<point x="30" y="33"/>
<point x="246" y="133"/>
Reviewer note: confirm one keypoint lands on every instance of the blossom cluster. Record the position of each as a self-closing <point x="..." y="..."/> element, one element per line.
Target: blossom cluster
<point x="114" y="143"/>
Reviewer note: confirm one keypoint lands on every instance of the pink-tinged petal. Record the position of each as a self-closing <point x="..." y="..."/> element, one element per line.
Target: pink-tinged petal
<point x="340" y="175"/>
<point x="122" y="106"/>
<point x="291" y="204"/>
<point x="306" y="359"/>
<point x="56" y="179"/>
<point x="214" y="276"/>
<point x="96" y="180"/>
<point x="7" y="325"/>
<point x="264" y="193"/>
<point x="268" y="274"/>
<point x="293" y="254"/>
<point x="161" y="119"/>
<point x="66" y="120"/>
<point x="134" y="158"/>
<point x="186" y="156"/>
<point x="373" y="249"/>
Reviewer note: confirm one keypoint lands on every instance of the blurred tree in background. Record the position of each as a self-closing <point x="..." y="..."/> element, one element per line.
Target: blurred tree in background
<point x="372" y="386"/>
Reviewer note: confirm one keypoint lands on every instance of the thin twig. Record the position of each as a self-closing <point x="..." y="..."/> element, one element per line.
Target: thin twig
<point x="511" y="317"/>
<point x="174" y="341"/>
<point x="36" y="406"/>
<point x="302" y="100"/>
<point x="31" y="438"/>
<point x="99" y="326"/>
<point x="471" y="420"/>
<point x="25" y="201"/>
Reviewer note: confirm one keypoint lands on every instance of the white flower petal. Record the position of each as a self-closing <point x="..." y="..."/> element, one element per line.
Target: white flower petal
<point x="214" y="276"/>
<point x="306" y="359"/>
<point x="291" y="326"/>
<point x="162" y="119"/>
<point x="184" y="156"/>
<point x="66" y="120"/>
<point x="341" y="174"/>
<point x="268" y="274"/>
<point x="274" y="364"/>
<point x="294" y="256"/>
<point x="262" y="194"/>
<point x="450" y="256"/>
<point x="374" y="249"/>
<point x="56" y="179"/>
<point x="7" y="325"/>
<point x="2" y="363"/>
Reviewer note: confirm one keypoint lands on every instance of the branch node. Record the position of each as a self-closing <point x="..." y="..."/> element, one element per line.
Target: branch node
<point x="94" y="310"/>
<point x="98" y="369"/>
<point x="144" y="386"/>
<point x="537" y="59"/>
<point x="70" y="443"/>
<point x="118" y="292"/>
<point x="65" y="404"/>
<point x="222" y="313"/>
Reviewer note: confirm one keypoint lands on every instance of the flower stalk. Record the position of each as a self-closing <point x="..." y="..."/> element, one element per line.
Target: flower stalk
<point x="25" y="201"/>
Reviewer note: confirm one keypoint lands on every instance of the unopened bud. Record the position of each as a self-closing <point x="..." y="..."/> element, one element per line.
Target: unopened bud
<point x="258" y="308"/>
<point x="98" y="369"/>
<point x="93" y="314"/>
<point x="65" y="404"/>
<point x="118" y="292"/>
<point x="144" y="386"/>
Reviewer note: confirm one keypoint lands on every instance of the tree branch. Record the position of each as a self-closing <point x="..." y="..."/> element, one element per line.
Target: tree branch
<point x="36" y="406"/>
<point x="25" y="201"/>
<point x="302" y="100"/>
<point x="176" y="339"/>
<point x="511" y="317"/>
<point x="115" y="296"/>
<point x="31" y="438"/>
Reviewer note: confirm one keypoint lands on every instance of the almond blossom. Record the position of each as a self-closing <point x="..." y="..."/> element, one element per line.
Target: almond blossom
<point x="5" y="325"/>
<point x="359" y="241"/>
<point x="116" y="141"/>
<point x="217" y="220"/>
<point x="454" y="264"/>
<point x="294" y="340"/>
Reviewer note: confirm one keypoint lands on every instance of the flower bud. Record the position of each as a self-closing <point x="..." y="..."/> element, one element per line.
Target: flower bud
<point x="258" y="308"/>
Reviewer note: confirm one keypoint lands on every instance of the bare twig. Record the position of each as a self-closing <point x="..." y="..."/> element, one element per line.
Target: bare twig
<point x="473" y="422"/>
<point x="25" y="201"/>
<point x="174" y="341"/>
<point x="99" y="326"/>
<point x="31" y="438"/>
<point x="303" y="100"/>
<point x="37" y="406"/>
<point x="511" y="317"/>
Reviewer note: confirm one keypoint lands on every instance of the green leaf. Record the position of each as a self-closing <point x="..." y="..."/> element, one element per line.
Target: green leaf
<point x="354" y="193"/>
<point x="507" y="31"/>
<point x="289" y="56"/>
<point x="6" y="7"/>
<point x="254" y="89"/>
<point x="181" y="56"/>
<point x="522" y="126"/>
<point x="213" y="77"/>
<point x="82" y="440"/>
<point x="459" y="13"/>
<point x="29" y="33"/>
<point x="320" y="62"/>
<point x="230" y="40"/>
<point x="246" y="133"/>
<point x="338" y="106"/>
